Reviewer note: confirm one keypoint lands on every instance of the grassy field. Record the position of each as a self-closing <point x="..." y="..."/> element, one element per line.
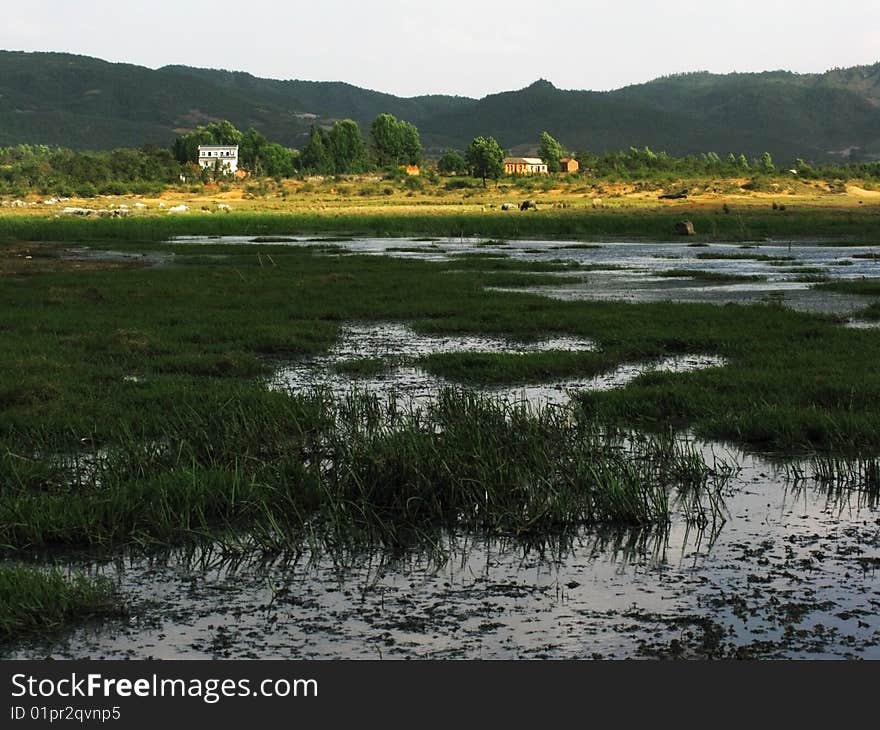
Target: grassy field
<point x="570" y="207"/>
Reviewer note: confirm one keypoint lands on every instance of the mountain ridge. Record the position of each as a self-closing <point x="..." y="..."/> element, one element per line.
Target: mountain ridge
<point x="87" y="103"/>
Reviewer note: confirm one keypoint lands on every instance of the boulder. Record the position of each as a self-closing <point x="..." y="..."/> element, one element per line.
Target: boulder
<point x="685" y="228"/>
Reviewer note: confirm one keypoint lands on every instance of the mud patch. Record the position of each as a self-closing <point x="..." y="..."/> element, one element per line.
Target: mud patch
<point x="41" y="258"/>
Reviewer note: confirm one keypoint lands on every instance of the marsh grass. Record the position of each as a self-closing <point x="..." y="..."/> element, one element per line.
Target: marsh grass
<point x="772" y="260"/>
<point x="871" y="312"/>
<point x="363" y="367"/>
<point x="36" y="600"/>
<point x="489" y="368"/>
<point x="515" y="279"/>
<point x="450" y="221"/>
<point x="863" y="287"/>
<point x="92" y="354"/>
<point x="839" y="475"/>
<point x="710" y="276"/>
<point x="348" y="468"/>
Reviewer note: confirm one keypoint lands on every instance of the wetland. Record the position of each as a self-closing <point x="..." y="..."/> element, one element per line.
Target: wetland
<point x="287" y="446"/>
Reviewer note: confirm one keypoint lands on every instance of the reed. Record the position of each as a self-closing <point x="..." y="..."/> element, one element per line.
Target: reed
<point x="349" y="468"/>
<point x="39" y="600"/>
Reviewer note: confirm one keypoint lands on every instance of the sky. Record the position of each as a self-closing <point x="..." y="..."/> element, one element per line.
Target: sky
<point x="469" y="48"/>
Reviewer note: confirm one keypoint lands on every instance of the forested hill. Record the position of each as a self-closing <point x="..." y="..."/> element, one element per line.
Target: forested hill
<point x="86" y="103"/>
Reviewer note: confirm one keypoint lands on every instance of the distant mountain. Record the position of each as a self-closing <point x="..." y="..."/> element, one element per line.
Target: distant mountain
<point x="86" y="103"/>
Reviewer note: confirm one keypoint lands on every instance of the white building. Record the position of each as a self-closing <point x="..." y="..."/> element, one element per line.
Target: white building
<point x="524" y="166"/>
<point x="221" y="157"/>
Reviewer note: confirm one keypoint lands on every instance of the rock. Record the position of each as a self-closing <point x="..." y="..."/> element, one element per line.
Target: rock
<point x="685" y="228"/>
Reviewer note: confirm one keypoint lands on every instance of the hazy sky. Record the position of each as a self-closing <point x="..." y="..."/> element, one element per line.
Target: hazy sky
<point x="410" y="47"/>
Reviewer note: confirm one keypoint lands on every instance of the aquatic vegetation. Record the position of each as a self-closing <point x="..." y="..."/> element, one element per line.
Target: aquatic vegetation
<point x="39" y="600"/>
<point x="864" y="287"/>
<point x="711" y="276"/>
<point x="351" y="468"/>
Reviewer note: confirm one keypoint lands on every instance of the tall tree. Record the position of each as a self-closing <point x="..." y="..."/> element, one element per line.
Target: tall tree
<point x="452" y="163"/>
<point x="485" y="158"/>
<point x="252" y="152"/>
<point x="225" y="132"/>
<point x="315" y="156"/>
<point x="551" y="152"/>
<point x="277" y="160"/>
<point x="395" y="142"/>
<point x="186" y="147"/>
<point x="346" y="147"/>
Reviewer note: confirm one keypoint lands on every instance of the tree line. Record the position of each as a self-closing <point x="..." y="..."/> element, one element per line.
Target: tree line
<point x="339" y="150"/>
<point x="342" y="149"/>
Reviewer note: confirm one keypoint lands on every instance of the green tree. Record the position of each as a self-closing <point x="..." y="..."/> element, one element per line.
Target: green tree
<point x="766" y="164"/>
<point x="485" y="158"/>
<point x="225" y="132"/>
<point x="346" y="147"/>
<point x="277" y="160"/>
<point x="186" y="147"/>
<point x="551" y="152"/>
<point x="251" y="152"/>
<point x="452" y="163"/>
<point x="395" y="142"/>
<point x="315" y="157"/>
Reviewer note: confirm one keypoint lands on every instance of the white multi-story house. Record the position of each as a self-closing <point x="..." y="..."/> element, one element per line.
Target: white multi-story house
<point x="220" y="157"/>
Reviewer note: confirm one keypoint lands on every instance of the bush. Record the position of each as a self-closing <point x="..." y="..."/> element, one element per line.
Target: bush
<point x="414" y="183"/>
<point x="459" y="184"/>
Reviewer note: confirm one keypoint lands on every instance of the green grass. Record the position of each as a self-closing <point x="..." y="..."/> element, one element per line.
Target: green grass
<point x="773" y="260"/>
<point x="362" y="367"/>
<point x="206" y="327"/>
<point x="871" y="312"/>
<point x="864" y="287"/>
<point x="710" y="276"/>
<point x="515" y="279"/>
<point x="487" y="368"/>
<point x="288" y="467"/>
<point x="36" y="601"/>
<point x="656" y="223"/>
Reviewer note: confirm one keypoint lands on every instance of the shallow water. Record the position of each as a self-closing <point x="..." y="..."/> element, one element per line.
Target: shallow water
<point x="396" y="343"/>
<point x="636" y="262"/>
<point x="792" y="573"/>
